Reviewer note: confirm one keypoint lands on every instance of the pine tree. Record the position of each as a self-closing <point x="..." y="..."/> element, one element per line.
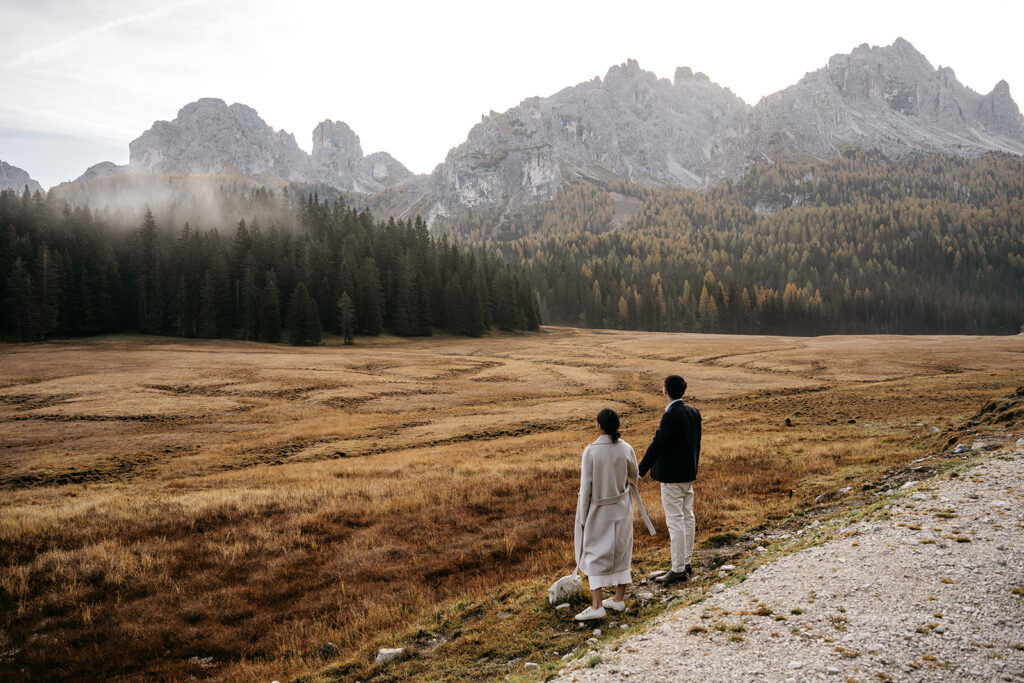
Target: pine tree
<point x="475" y="321"/>
<point x="270" y="311"/>
<point x="369" y="303"/>
<point x="22" y="317"/>
<point x="404" y="320"/>
<point x="424" y="320"/>
<point x="208" y="323"/>
<point x="346" y="319"/>
<point x="454" y="306"/>
<point x="250" y="303"/>
<point x="47" y="283"/>
<point x="303" y="318"/>
<point x="150" y="300"/>
<point x="184" y="323"/>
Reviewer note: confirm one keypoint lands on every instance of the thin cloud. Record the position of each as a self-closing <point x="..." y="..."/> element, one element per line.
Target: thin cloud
<point x="55" y="51"/>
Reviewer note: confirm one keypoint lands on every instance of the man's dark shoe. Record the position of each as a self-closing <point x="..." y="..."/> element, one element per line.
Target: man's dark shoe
<point x="671" y="577"/>
<point x="687" y="571"/>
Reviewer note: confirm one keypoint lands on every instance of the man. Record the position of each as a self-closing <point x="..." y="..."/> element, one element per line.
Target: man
<point x="672" y="459"/>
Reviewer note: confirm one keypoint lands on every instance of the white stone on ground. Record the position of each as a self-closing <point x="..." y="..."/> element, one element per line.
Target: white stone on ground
<point x="387" y="654"/>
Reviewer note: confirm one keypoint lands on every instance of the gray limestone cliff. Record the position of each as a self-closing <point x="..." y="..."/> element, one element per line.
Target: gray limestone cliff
<point x="208" y="136"/>
<point x="691" y="132"/>
<point x="338" y="161"/>
<point x="13" y="178"/>
<point x="888" y="99"/>
<point x="630" y="125"/>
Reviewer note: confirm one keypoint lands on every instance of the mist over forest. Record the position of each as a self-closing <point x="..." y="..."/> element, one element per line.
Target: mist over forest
<point x="246" y="263"/>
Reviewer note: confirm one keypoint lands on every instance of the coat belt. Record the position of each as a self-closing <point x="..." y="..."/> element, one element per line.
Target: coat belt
<point x="598" y="502"/>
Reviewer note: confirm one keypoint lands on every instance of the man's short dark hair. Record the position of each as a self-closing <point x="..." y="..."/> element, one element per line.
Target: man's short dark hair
<point x="675" y="386"/>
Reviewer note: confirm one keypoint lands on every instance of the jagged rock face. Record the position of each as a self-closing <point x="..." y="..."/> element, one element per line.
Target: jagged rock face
<point x="631" y="125"/>
<point x="338" y="161"/>
<point x="13" y="178"/>
<point x="101" y="170"/>
<point x="889" y="99"/>
<point x="208" y="136"/>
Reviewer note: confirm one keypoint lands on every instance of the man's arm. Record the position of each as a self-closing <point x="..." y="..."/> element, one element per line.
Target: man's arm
<point x="654" y="451"/>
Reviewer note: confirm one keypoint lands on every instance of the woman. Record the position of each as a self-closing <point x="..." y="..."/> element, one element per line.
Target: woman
<point x="604" y="516"/>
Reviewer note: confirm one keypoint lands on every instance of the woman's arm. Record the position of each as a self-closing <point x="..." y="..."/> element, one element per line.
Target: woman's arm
<point x="632" y="472"/>
<point x="583" y="502"/>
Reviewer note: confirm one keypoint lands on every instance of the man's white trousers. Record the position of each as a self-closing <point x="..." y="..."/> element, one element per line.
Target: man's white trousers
<point x="677" y="500"/>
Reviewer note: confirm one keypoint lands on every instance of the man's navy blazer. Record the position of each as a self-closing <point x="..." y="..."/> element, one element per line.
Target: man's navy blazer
<point x="673" y="454"/>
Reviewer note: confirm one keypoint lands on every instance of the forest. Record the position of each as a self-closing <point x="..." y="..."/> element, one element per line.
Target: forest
<point x="296" y="269"/>
<point x="861" y="244"/>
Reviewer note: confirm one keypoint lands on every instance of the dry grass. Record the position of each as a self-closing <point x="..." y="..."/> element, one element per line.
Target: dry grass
<point x="168" y="502"/>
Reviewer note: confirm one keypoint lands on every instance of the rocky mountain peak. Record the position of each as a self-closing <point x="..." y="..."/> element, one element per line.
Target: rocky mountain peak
<point x="889" y="99"/>
<point x="336" y="136"/>
<point x="685" y="75"/>
<point x="631" y="125"/>
<point x="209" y="136"/>
<point x="14" y="178"/>
<point x="998" y="110"/>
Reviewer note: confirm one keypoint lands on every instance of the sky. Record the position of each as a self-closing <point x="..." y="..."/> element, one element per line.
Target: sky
<point x="80" y="79"/>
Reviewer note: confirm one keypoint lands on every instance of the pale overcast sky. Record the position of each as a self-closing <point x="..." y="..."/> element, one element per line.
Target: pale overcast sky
<point x="80" y="79"/>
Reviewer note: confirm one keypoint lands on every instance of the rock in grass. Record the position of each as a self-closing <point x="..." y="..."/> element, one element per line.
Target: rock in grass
<point x="718" y="588"/>
<point x="388" y="654"/>
<point x="531" y="665"/>
<point x="327" y="650"/>
<point x="960" y="448"/>
<point x="565" y="588"/>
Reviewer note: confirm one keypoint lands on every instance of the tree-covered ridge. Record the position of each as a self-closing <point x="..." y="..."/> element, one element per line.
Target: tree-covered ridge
<point x="311" y="267"/>
<point x="858" y="245"/>
<point x="579" y="206"/>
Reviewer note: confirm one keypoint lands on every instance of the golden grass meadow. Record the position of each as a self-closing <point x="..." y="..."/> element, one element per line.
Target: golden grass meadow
<point x="220" y="510"/>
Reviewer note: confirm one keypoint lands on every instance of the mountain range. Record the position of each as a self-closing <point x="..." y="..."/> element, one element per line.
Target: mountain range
<point x="630" y="125"/>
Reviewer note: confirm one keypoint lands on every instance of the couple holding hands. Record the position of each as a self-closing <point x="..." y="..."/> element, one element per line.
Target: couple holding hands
<point x="609" y="474"/>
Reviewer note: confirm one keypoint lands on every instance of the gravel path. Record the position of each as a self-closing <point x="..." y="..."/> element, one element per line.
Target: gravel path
<point x="926" y="595"/>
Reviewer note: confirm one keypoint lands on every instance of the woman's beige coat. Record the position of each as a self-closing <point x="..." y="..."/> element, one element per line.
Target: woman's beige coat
<point x="604" y="512"/>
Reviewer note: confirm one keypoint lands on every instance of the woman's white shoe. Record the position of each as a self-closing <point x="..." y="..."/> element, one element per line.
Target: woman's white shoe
<point x="591" y="613"/>
<point x="610" y="603"/>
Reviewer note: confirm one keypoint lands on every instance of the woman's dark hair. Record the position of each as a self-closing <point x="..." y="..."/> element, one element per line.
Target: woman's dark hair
<point x="608" y="420"/>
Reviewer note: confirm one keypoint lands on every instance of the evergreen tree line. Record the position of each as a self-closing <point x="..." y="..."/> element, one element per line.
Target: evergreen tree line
<point x="327" y="267"/>
<point x="929" y="244"/>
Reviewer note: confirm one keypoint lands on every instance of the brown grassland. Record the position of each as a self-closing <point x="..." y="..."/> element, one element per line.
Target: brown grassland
<point x="222" y="509"/>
